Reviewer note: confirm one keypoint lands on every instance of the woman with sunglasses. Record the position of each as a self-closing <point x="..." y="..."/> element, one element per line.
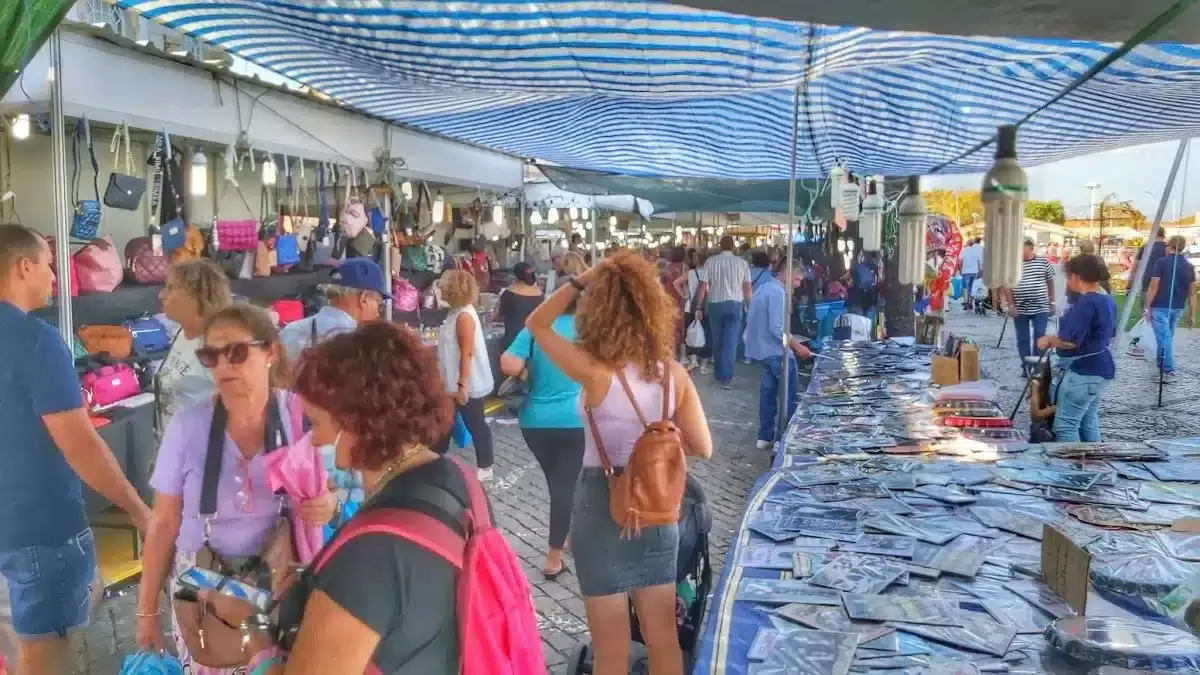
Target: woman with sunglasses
<point x="241" y="350"/>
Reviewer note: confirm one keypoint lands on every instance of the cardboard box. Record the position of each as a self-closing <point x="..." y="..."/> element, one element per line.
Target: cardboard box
<point x="945" y="370"/>
<point x="968" y="363"/>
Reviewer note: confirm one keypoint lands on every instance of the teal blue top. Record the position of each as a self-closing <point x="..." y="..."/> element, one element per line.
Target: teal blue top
<point x="553" y="400"/>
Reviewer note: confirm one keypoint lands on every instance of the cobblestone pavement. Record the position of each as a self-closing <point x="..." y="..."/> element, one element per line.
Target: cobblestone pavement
<point x="1129" y="409"/>
<point x="521" y="504"/>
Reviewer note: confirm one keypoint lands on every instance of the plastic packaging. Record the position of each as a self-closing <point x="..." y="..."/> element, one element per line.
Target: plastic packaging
<point x="1127" y="643"/>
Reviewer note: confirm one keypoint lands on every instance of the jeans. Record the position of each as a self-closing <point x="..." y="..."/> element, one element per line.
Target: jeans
<point x="1164" y="322"/>
<point x="768" y="395"/>
<point x="726" y="321"/>
<point x="968" y="282"/>
<point x="560" y="454"/>
<point x="50" y="586"/>
<point x="1077" y="411"/>
<point x="481" y="434"/>
<point x="1022" y="324"/>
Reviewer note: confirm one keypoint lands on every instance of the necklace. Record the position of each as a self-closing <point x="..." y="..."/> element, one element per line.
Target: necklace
<point x="396" y="466"/>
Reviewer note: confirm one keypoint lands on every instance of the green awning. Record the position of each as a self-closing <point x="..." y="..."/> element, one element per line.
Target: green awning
<point x="25" y="25"/>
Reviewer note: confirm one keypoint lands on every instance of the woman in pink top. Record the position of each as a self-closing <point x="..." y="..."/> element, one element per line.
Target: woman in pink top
<point x="626" y="323"/>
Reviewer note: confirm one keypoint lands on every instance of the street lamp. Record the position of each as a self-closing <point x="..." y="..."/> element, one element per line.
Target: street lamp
<point x="1092" y="187"/>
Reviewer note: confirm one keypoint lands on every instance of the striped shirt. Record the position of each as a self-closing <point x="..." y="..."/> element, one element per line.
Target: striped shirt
<point x="725" y="273"/>
<point x="1031" y="295"/>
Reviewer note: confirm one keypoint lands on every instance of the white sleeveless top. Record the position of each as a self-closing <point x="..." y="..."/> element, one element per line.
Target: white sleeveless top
<point x="479" y="380"/>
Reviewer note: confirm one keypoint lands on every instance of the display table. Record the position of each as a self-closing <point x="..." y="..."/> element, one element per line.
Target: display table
<point x="875" y="507"/>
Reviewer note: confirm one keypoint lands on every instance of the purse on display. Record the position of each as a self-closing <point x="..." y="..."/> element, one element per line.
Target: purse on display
<point x="124" y="190"/>
<point x="109" y="384"/>
<point x="86" y="222"/>
<point x="289" y="310"/>
<point x="194" y="243"/>
<point x="287" y="250"/>
<point x="354" y="215"/>
<point x="235" y="235"/>
<point x="73" y="282"/>
<point x="114" y="342"/>
<point x="149" y="335"/>
<point x="174" y="236"/>
<point x="145" y="266"/>
<point x="264" y="260"/>
<point x="99" y="266"/>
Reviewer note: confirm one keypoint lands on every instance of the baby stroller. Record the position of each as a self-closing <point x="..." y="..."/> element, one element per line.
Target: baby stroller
<point x="694" y="583"/>
<point x="981" y="298"/>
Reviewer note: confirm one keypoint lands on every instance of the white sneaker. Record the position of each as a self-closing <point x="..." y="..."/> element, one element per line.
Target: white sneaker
<point x="1170" y="378"/>
<point x="485" y="475"/>
<point x="763" y="445"/>
<point x="703" y="368"/>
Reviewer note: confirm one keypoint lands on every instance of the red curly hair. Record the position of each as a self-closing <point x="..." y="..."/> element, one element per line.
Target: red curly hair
<point x="381" y="383"/>
<point x="627" y="318"/>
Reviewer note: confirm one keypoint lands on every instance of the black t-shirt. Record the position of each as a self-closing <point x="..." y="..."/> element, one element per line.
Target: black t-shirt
<point x="404" y="592"/>
<point x="514" y="309"/>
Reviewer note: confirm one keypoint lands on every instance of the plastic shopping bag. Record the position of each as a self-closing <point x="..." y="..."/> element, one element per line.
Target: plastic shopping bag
<point x="695" y="335"/>
<point x="1142" y="344"/>
<point x="151" y="663"/>
<point x="459" y="433"/>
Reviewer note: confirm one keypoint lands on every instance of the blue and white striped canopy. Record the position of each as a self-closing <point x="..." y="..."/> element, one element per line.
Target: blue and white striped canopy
<point x="658" y="89"/>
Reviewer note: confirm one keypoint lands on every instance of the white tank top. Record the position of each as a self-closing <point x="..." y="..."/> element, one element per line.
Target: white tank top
<point x="479" y="379"/>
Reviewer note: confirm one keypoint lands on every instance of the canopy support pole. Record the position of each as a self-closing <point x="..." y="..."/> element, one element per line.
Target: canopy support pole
<point x="1135" y="288"/>
<point x="524" y="234"/>
<point x="62" y="214"/>
<point x="785" y="372"/>
<point x="387" y="253"/>
<point x="591" y="222"/>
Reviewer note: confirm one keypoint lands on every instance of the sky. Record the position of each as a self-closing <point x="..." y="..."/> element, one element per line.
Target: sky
<point x="1137" y="174"/>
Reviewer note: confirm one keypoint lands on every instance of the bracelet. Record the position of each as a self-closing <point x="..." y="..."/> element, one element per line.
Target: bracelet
<point x="575" y="282"/>
<point x="148" y="615"/>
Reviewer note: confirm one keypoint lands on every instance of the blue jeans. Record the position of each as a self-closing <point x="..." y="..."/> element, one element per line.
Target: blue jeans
<point x="1164" y="322"/>
<point x="726" y="321"/>
<point x="1022" y="324"/>
<point x="1077" y="409"/>
<point x="50" y="586"/>
<point x="968" y="282"/>
<point x="768" y="395"/>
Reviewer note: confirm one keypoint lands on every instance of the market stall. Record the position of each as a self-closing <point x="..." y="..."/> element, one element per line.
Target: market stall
<point x="909" y="530"/>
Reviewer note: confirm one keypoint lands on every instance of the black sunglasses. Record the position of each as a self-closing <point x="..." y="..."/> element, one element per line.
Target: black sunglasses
<point x="235" y="352"/>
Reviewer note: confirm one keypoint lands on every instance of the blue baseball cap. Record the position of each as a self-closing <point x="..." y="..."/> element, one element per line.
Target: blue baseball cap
<point x="363" y="274"/>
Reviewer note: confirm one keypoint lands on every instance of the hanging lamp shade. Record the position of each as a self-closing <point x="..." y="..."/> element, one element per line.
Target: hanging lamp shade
<point x="270" y="172"/>
<point x="552" y="216"/>
<point x="498" y="214"/>
<point x="870" y="220"/>
<point x="612" y="221"/>
<point x="535" y="218"/>
<point x="439" y="209"/>
<point x="850" y="199"/>
<point x="835" y="186"/>
<point x="911" y="245"/>
<point x="1004" y="193"/>
<point x="574" y="213"/>
<point x="406" y="189"/>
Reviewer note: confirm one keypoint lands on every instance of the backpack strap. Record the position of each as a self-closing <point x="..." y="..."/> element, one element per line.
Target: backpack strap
<point x="620" y="373"/>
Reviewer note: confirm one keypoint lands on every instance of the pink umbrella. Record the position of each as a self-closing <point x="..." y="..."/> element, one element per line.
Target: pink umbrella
<point x="298" y="471"/>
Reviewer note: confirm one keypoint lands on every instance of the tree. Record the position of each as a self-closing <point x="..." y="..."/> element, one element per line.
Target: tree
<point x="1050" y="211"/>
<point x="1122" y="214"/>
<point x="958" y="205"/>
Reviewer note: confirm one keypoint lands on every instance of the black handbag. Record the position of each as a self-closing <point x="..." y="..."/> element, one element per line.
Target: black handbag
<point x="124" y="190"/>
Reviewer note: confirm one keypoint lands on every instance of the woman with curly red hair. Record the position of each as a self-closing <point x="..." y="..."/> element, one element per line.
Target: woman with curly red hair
<point x="626" y="326"/>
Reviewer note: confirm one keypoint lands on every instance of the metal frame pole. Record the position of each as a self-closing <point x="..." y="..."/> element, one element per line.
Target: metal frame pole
<point x="785" y="372"/>
<point x="62" y="215"/>
<point x="521" y="229"/>
<point x="592" y="219"/>
<point x="1135" y="288"/>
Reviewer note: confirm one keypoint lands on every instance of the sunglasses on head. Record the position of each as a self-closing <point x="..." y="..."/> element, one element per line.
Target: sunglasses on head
<point x="235" y="352"/>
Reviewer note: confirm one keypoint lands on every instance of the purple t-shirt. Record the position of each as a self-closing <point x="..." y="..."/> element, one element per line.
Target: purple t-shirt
<point x="239" y="529"/>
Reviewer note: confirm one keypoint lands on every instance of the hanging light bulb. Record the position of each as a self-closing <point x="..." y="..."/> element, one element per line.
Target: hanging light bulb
<point x="850" y="198"/>
<point x="20" y="127"/>
<point x="270" y="172"/>
<point x="1005" y="191"/>
<point x="835" y="186"/>
<point x="911" y="245"/>
<point x="406" y="189"/>
<point x="552" y="216"/>
<point x="535" y="218"/>
<point x="498" y="214"/>
<point x="584" y="213"/>
<point x="574" y="213"/>
<point x="198" y="180"/>
<point x="870" y="220"/>
<point x="612" y="221"/>
<point x="439" y="208"/>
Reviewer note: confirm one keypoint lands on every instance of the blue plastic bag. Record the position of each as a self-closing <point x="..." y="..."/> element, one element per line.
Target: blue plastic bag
<point x="150" y="663"/>
<point x="459" y="433"/>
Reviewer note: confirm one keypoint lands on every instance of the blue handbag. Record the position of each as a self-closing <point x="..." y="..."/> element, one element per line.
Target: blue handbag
<point x="151" y="663"/>
<point x="378" y="220"/>
<point x="287" y="249"/>
<point x="149" y="335"/>
<point x="86" y="222"/>
<point x="174" y="235"/>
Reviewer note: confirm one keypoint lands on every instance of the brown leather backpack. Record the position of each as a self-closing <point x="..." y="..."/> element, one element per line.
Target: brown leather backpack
<point x="649" y="490"/>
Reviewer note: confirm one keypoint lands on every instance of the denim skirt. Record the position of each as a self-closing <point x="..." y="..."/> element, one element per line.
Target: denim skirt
<point x="605" y="562"/>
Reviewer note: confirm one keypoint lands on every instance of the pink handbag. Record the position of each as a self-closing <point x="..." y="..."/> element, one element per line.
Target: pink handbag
<point x="405" y="297"/>
<point x="236" y="235"/>
<point x="109" y="384"/>
<point x="99" y="266"/>
<point x="354" y="215"/>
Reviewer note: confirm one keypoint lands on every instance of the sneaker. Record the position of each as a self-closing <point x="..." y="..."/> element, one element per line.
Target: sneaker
<point x="763" y="445"/>
<point x="485" y="475"/>
<point x="703" y="368"/>
<point x="1170" y="378"/>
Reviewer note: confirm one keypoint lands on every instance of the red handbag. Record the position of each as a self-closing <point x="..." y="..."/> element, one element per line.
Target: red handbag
<point x="288" y="310"/>
<point x="235" y="235"/>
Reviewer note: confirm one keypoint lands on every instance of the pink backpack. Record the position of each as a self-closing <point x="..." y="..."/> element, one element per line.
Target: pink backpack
<point x="99" y="266"/>
<point x="405" y="297"/>
<point x="498" y="633"/>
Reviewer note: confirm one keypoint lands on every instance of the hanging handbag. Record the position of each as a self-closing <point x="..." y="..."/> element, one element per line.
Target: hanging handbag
<point x="144" y="265"/>
<point x="210" y="640"/>
<point x="287" y="248"/>
<point x="99" y="266"/>
<point x="124" y="190"/>
<point x="174" y="235"/>
<point x="354" y="215"/>
<point x="73" y="281"/>
<point x="86" y="222"/>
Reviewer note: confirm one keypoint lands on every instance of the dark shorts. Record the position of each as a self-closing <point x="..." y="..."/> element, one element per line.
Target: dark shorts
<point x="605" y="563"/>
<point x="50" y="586"/>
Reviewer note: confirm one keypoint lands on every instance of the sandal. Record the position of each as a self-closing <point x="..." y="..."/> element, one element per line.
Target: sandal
<point x="551" y="576"/>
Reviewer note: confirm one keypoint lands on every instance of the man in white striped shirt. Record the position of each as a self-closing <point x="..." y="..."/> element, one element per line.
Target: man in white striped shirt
<point x="725" y="285"/>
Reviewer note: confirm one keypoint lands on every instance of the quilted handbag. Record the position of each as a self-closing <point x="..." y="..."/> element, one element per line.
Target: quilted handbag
<point x="289" y="310"/>
<point x="86" y="222"/>
<point x="124" y="190"/>
<point x="145" y="266"/>
<point x="174" y="235"/>
<point x="115" y="342"/>
<point x="149" y="335"/>
<point x="99" y="266"/>
<point x="74" y="280"/>
<point x="235" y="235"/>
<point x="109" y="384"/>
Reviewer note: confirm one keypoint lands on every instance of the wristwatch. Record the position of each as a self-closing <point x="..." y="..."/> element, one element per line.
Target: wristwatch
<point x="575" y="282"/>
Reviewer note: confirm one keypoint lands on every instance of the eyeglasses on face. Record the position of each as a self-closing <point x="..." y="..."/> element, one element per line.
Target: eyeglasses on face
<point x="235" y="353"/>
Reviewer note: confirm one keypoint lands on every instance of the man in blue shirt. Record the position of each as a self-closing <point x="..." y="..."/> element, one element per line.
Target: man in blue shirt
<point x="356" y="292"/>
<point x="1172" y="288"/>
<point x="765" y="345"/>
<point x="47" y="554"/>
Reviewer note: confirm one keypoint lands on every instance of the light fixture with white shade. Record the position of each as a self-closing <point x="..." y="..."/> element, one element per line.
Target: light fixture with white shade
<point x="406" y="189"/>
<point x="911" y="243"/>
<point x="870" y="220"/>
<point x="574" y="213"/>
<point x="612" y="221"/>
<point x="198" y="178"/>
<point x="584" y="213"/>
<point x="835" y="186"/>
<point x="535" y="218"/>
<point x="439" y="208"/>
<point x="1004" y="193"/>
<point x="20" y="127"/>
<point x="552" y="216"/>
<point x="270" y="172"/>
<point x="498" y="214"/>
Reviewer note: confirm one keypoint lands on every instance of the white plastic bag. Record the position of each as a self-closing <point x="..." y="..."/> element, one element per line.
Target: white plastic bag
<point x="695" y="336"/>
<point x="1142" y="344"/>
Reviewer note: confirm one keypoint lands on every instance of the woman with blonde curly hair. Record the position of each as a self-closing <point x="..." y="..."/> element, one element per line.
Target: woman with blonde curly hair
<point x="626" y="325"/>
<point x="463" y="359"/>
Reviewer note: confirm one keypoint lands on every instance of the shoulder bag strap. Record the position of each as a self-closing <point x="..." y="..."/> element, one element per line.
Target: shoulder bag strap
<point x="212" y="463"/>
<point x="421" y="529"/>
<point x="76" y="136"/>
<point x="629" y="392"/>
<point x="87" y="134"/>
<point x="607" y="465"/>
<point x="312" y="341"/>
